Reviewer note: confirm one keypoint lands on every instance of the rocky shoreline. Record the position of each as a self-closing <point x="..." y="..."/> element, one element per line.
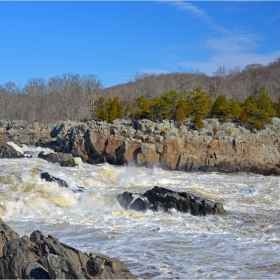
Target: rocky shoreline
<point x="219" y="146"/>
<point x="44" y="257"/>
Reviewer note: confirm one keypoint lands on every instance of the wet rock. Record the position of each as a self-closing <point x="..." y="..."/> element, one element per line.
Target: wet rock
<point x="133" y="201"/>
<point x="50" y="178"/>
<point x="34" y="270"/>
<point x="165" y="199"/>
<point x="65" y="160"/>
<point x="6" y="234"/>
<point x="62" y="268"/>
<point x="15" y="257"/>
<point x="104" y="267"/>
<point x="6" y="151"/>
<point x="44" y="257"/>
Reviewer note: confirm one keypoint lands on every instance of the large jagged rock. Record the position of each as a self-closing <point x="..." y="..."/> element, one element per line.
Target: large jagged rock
<point x="164" y="199"/>
<point x="219" y="146"/>
<point x="62" y="159"/>
<point x="234" y="147"/>
<point x="6" y="151"/>
<point x="6" y="234"/>
<point x="16" y="256"/>
<point x="44" y="257"/>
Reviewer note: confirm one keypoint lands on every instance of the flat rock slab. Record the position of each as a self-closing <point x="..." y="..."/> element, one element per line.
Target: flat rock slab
<point x="164" y="199"/>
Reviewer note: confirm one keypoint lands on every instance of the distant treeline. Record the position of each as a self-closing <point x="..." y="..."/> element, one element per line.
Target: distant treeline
<point x="256" y="110"/>
<point x="76" y="97"/>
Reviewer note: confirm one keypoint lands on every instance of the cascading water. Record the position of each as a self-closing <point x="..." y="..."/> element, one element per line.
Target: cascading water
<point x="242" y="243"/>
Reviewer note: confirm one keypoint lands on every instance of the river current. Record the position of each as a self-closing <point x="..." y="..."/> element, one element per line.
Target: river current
<point x="242" y="243"/>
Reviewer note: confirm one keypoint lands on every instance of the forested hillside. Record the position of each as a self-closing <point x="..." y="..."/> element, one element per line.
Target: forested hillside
<point x="173" y="95"/>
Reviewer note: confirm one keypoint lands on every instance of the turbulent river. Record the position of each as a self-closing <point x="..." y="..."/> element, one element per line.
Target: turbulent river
<point x="243" y="243"/>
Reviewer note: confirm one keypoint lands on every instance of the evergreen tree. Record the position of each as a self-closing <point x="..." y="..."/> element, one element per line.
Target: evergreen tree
<point x="171" y="98"/>
<point x="277" y="107"/>
<point x="100" y="104"/>
<point x="263" y="102"/>
<point x="180" y="114"/>
<point x="243" y="117"/>
<point x="220" y="107"/>
<point x="142" y="105"/>
<point x="160" y="109"/>
<point x="252" y="112"/>
<point x="234" y="109"/>
<point x="198" y="121"/>
<point x="200" y="103"/>
<point x="102" y="114"/>
<point x="120" y="110"/>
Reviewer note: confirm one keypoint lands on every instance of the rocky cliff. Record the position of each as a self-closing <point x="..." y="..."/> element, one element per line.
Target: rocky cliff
<point x="219" y="146"/>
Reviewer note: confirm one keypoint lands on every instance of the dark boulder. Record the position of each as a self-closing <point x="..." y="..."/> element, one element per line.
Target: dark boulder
<point x="133" y="201"/>
<point x="50" y="178"/>
<point x="165" y="199"/>
<point x="34" y="270"/>
<point x="6" y="234"/>
<point x="16" y="256"/>
<point x="65" y="160"/>
<point x="44" y="257"/>
<point x="7" y="151"/>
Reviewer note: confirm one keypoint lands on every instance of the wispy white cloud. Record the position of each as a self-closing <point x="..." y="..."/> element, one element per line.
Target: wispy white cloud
<point x="233" y="43"/>
<point x="274" y="18"/>
<point x="225" y="47"/>
<point x="196" y="12"/>
<point x="230" y="61"/>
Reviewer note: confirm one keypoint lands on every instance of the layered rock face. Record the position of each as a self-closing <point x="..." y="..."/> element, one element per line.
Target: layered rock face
<point x="164" y="199"/>
<point x="233" y="148"/>
<point x="44" y="257"/>
<point x="219" y="146"/>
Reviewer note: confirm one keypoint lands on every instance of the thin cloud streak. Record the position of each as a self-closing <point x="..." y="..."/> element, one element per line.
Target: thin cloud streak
<point x="198" y="13"/>
<point x="230" y="48"/>
<point x="232" y="43"/>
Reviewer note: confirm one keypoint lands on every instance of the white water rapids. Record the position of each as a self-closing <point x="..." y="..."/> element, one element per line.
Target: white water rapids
<point x="243" y="243"/>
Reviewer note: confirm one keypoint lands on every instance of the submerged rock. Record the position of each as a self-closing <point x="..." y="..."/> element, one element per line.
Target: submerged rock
<point x="50" y="178"/>
<point x="44" y="257"/>
<point x="164" y="199"/>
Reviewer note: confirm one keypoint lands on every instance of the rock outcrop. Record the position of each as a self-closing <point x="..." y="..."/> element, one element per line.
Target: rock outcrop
<point x="164" y="199"/>
<point x="235" y="146"/>
<point x="6" y="234"/>
<point x="22" y="132"/>
<point x="219" y="146"/>
<point x="7" y="151"/>
<point x="44" y="257"/>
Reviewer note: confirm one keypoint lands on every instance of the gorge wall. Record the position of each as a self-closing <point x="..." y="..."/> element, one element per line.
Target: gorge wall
<point x="219" y="146"/>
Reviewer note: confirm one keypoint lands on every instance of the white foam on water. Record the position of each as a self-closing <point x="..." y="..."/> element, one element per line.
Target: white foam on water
<point x="243" y="243"/>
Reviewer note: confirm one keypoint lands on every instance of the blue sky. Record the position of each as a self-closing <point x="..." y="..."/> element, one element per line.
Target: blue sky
<point x="116" y="39"/>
